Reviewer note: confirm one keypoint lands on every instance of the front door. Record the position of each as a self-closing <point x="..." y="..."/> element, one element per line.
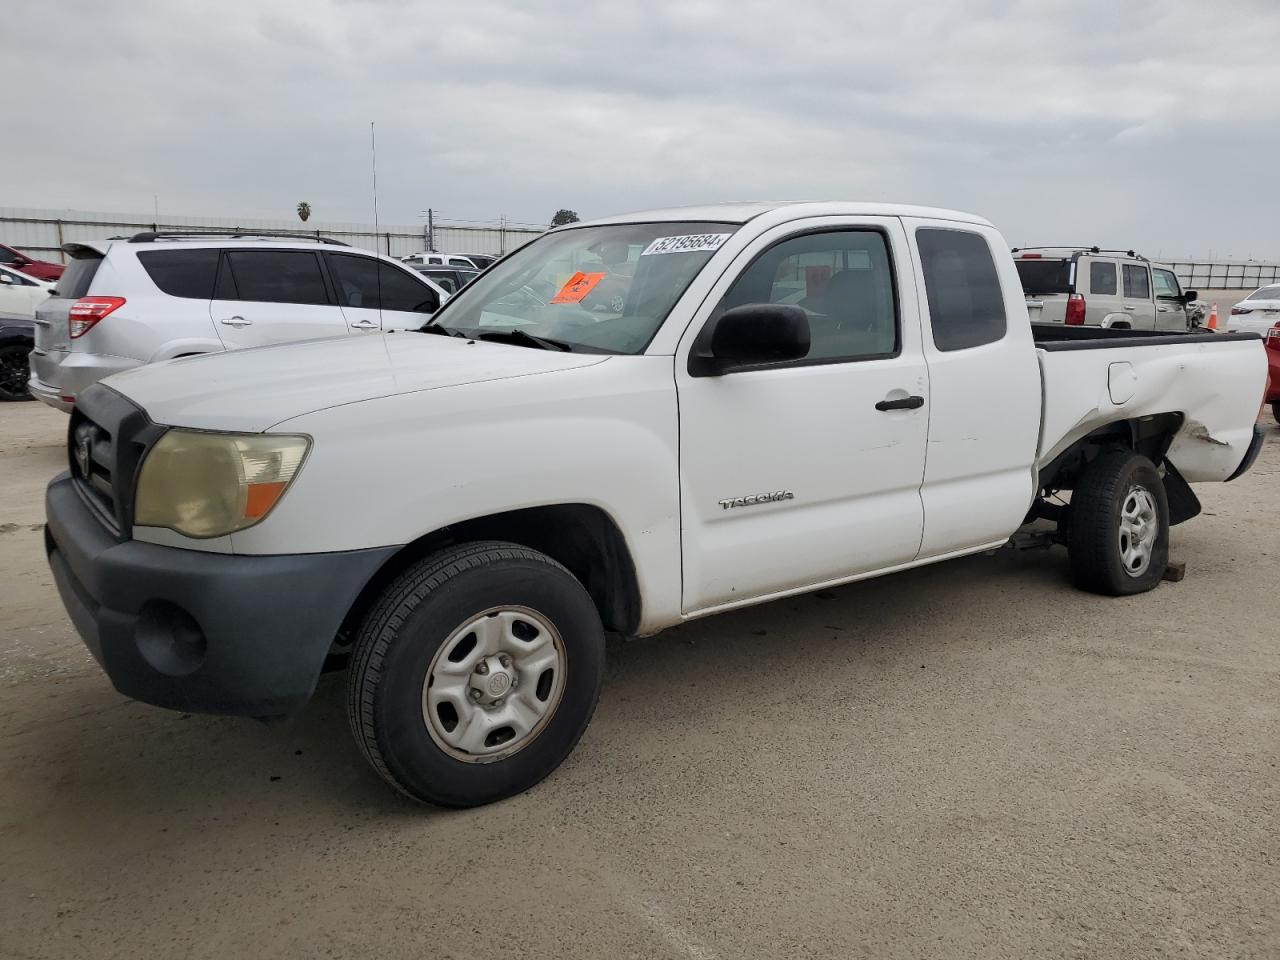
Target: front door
<point x="273" y="296"/>
<point x="1171" y="311"/>
<point x="376" y="295"/>
<point x="804" y="472"/>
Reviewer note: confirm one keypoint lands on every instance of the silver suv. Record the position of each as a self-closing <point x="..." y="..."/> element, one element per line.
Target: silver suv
<point x="1088" y="286"/>
<point x="125" y="302"/>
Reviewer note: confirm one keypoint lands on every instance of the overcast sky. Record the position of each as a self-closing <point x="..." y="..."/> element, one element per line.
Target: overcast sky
<point x="1123" y="122"/>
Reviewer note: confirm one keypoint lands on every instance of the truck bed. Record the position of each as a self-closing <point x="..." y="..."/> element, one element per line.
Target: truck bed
<point x="1055" y="336"/>
<point x="1092" y="376"/>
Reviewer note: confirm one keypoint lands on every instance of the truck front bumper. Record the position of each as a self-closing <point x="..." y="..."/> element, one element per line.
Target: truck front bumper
<point x="204" y="632"/>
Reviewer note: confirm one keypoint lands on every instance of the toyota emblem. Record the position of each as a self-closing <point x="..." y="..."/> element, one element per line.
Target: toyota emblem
<point x="84" y="444"/>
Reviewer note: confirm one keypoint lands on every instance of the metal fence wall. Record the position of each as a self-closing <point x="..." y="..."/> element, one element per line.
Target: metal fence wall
<point x="41" y="233"/>
<point x="1224" y="274"/>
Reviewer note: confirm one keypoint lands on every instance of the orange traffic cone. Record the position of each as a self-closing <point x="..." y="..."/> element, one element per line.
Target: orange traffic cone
<point x="1212" y="323"/>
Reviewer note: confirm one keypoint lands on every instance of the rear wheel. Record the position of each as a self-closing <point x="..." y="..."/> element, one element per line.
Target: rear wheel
<point x="14" y="371"/>
<point x="475" y="674"/>
<point x="1118" y="531"/>
<point x="1275" y="410"/>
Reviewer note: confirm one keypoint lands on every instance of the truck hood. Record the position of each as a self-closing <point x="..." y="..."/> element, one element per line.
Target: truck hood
<point x="251" y="390"/>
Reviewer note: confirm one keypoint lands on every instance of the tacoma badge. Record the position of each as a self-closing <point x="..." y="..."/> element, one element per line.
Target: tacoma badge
<point x="757" y="498"/>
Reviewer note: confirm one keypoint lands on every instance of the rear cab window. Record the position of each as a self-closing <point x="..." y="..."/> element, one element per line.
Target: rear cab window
<point x="966" y="301"/>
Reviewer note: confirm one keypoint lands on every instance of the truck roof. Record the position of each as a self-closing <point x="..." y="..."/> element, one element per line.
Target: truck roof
<point x="742" y="211"/>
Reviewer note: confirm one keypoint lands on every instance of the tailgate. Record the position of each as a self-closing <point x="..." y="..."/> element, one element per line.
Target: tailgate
<point x="1047" y="307"/>
<point x="53" y="339"/>
<point x="51" y="325"/>
<point x="1213" y="381"/>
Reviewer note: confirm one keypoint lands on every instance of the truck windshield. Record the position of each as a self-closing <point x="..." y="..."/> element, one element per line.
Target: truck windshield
<point x="1044" y="276"/>
<point x="598" y="289"/>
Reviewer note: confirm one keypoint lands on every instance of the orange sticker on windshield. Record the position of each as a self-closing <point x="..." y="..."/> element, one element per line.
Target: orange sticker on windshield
<point x="577" y="287"/>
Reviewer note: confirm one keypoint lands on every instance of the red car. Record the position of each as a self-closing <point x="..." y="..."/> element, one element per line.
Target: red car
<point x="1273" y="368"/>
<point x="40" y="269"/>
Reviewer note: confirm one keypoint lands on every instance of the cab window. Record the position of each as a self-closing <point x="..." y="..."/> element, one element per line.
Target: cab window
<point x="1137" y="282"/>
<point x="1102" y="278"/>
<point x="1166" y="284"/>
<point x="843" y="282"/>
<point x="966" y="301"/>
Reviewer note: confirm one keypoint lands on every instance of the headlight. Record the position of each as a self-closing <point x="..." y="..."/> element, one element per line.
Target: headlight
<point x="211" y="484"/>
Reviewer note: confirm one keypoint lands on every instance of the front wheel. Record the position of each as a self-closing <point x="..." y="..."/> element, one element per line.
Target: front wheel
<point x="475" y="674"/>
<point x="1118" y="528"/>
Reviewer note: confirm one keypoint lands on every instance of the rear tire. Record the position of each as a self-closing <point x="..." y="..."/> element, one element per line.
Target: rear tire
<point x="475" y="674"/>
<point x="14" y="372"/>
<point x="1275" y="410"/>
<point x="1118" y="531"/>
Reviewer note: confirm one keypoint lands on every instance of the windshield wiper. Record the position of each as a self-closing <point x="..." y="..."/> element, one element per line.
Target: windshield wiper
<point x="432" y="327"/>
<point x="518" y="336"/>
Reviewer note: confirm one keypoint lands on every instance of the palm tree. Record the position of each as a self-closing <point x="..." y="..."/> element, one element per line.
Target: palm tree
<point x="304" y="211"/>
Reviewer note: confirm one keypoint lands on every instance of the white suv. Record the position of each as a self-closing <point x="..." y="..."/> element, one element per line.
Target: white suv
<point x="1089" y="286"/>
<point x="125" y="302"/>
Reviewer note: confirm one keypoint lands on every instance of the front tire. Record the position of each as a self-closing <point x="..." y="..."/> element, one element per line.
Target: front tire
<point x="475" y="674"/>
<point x="1118" y="531"/>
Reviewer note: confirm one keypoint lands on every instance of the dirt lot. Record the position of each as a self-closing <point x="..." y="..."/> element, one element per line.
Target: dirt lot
<point x="971" y="760"/>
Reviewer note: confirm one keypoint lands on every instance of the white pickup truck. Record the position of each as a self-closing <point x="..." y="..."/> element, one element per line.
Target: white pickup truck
<point x="773" y="398"/>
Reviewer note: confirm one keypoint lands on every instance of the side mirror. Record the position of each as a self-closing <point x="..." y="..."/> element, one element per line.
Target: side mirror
<point x="5" y="278"/>
<point x="1189" y="295"/>
<point x="750" y="334"/>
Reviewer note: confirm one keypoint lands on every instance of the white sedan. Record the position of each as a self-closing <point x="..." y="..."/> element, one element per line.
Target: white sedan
<point x="1258" y="312"/>
<point x="20" y="294"/>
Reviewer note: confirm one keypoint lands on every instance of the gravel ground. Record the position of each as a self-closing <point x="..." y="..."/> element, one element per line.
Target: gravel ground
<point x="968" y="760"/>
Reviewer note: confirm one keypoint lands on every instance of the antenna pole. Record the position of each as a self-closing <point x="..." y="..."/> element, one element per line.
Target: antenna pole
<point x="373" y="150"/>
<point x="373" y="154"/>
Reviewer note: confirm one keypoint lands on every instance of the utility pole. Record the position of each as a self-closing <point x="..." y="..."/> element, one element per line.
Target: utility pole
<point x="502" y="235"/>
<point x="431" y="231"/>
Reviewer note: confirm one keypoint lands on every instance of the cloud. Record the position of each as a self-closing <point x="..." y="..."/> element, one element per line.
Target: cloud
<point x="1144" y="123"/>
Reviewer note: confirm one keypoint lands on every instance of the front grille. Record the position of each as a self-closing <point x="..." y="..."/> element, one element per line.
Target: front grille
<point x="93" y="464"/>
<point x="106" y="440"/>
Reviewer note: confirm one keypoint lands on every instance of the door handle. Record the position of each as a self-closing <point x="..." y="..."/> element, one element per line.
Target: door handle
<point x="236" y="322"/>
<point x="902" y="403"/>
<point x="1130" y="309"/>
<point x="1163" y="309"/>
<point x="364" y="325"/>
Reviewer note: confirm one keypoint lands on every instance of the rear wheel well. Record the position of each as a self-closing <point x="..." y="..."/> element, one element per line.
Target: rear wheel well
<point x="1149" y="436"/>
<point x="581" y="537"/>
